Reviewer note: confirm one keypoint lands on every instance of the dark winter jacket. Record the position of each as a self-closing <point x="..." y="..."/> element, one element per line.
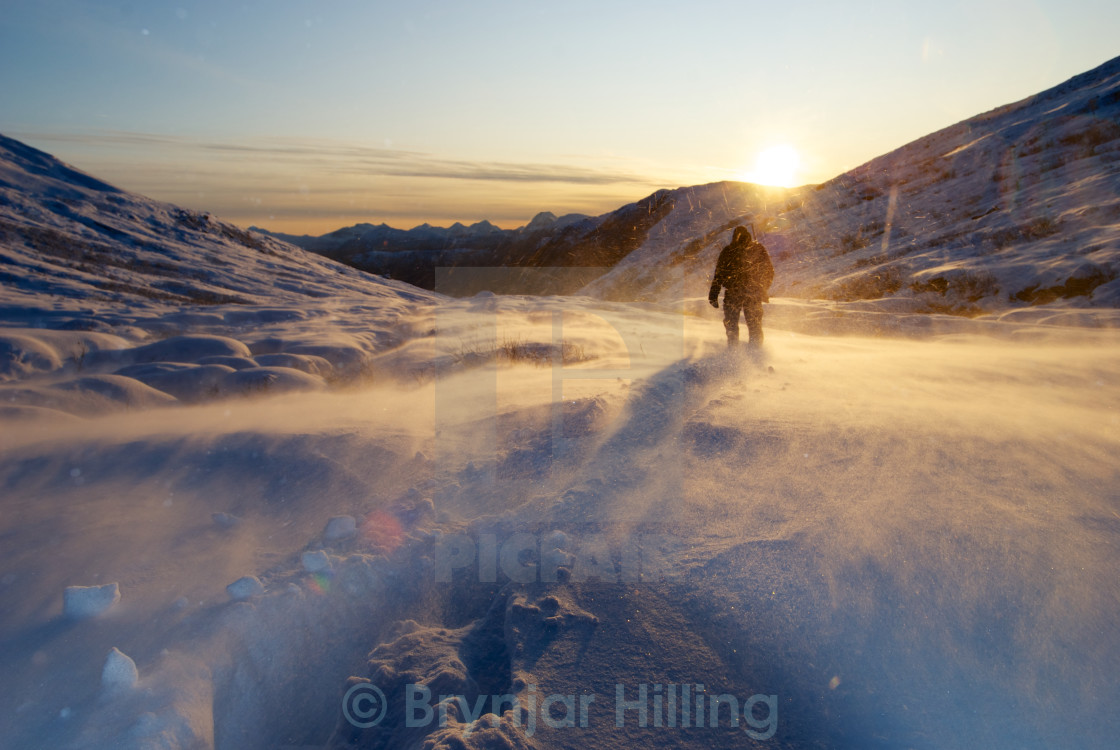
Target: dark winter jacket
<point x="745" y="270"/>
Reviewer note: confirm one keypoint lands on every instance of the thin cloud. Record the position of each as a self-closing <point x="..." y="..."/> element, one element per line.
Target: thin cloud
<point x="359" y="160"/>
<point x="424" y="166"/>
<point x="101" y="138"/>
<point x="348" y="159"/>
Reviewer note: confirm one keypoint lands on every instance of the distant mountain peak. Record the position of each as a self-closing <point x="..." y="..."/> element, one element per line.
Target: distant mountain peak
<point x="485" y="226"/>
<point x="543" y="220"/>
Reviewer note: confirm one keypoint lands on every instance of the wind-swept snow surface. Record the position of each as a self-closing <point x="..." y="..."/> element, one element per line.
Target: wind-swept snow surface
<point x="569" y="505"/>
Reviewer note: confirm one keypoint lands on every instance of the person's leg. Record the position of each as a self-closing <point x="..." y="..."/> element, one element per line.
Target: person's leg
<point x="753" y="313"/>
<point x="731" y="322"/>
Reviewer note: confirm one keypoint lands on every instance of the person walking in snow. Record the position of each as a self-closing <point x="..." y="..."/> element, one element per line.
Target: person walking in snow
<point x="745" y="270"/>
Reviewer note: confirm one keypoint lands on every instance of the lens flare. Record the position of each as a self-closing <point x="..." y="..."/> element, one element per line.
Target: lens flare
<point x="382" y="531"/>
<point x="321" y="583"/>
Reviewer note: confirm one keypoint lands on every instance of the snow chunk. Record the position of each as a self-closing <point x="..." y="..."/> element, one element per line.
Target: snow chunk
<point x="340" y="527"/>
<point x="119" y="671"/>
<point x="316" y="562"/>
<point x="83" y="602"/>
<point x="244" y="588"/>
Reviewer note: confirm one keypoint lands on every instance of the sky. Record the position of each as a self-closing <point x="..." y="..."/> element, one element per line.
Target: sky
<point x="304" y="117"/>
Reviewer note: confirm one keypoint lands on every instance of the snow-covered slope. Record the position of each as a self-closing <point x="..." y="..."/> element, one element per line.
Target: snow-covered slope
<point x="112" y="301"/>
<point x="71" y="239"/>
<point x="1019" y="206"/>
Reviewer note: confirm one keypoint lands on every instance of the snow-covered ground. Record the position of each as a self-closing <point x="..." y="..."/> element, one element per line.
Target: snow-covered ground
<point x="907" y="541"/>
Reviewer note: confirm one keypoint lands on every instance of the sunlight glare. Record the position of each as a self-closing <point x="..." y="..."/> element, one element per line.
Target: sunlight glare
<point x="776" y="165"/>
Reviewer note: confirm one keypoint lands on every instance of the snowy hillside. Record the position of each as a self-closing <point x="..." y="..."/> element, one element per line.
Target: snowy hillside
<point x="1016" y="207"/>
<point x="72" y="239"/>
<point x="105" y="292"/>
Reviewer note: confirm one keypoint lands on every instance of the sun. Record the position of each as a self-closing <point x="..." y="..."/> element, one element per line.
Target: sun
<point x="776" y="165"/>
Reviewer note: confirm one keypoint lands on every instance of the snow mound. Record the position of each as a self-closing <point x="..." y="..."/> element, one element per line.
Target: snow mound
<point x="84" y="602"/>
<point x="116" y="389"/>
<point x="189" y="348"/>
<point x="88" y="396"/>
<point x="186" y="382"/>
<point x="235" y="363"/>
<point x="345" y="357"/>
<point x="84" y="373"/>
<point x="311" y="364"/>
<point x="28" y="352"/>
<point x="23" y="355"/>
<point x="10" y="413"/>
<point x="269" y="380"/>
